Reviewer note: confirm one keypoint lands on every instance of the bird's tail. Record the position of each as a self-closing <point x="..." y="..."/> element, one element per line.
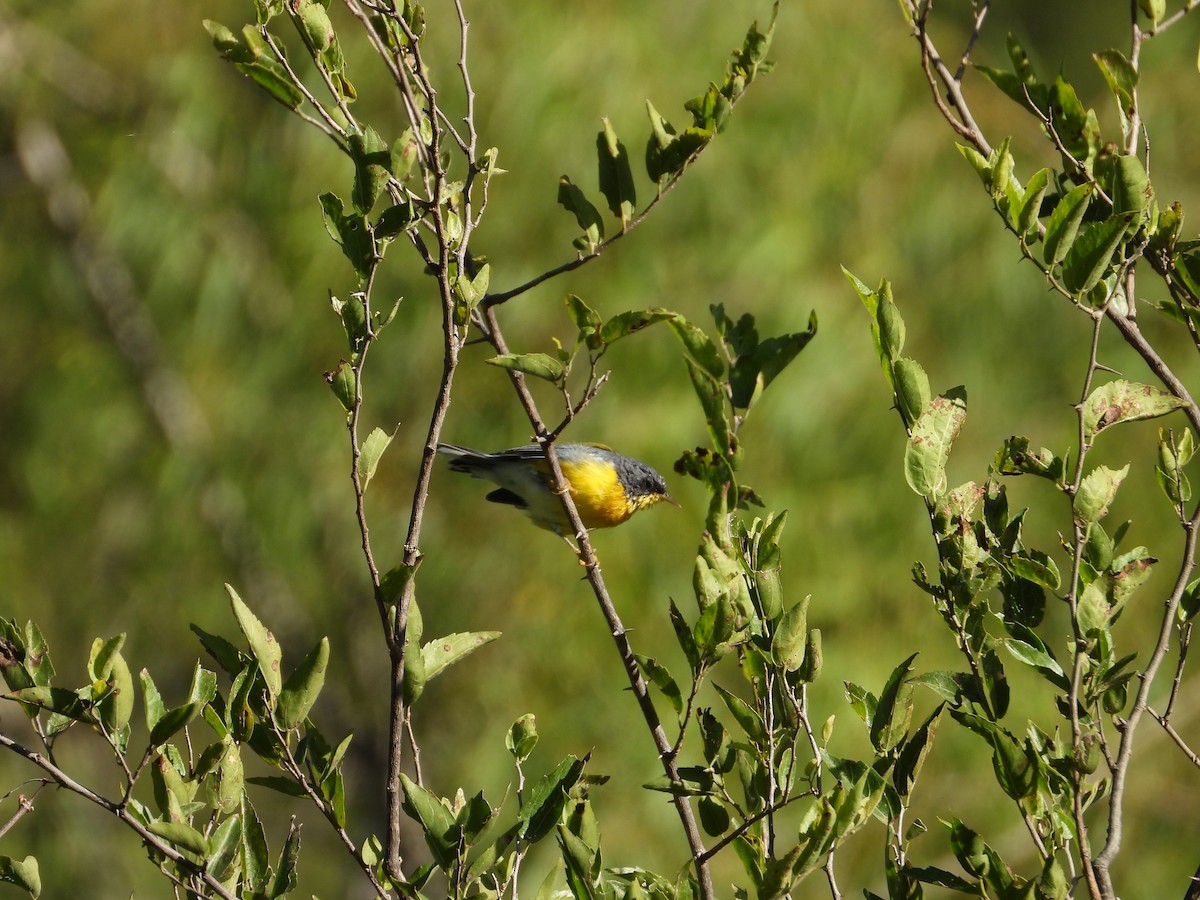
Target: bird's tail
<point x="463" y="459"/>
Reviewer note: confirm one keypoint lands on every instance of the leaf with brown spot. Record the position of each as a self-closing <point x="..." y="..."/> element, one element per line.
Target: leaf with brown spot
<point x="1125" y="401"/>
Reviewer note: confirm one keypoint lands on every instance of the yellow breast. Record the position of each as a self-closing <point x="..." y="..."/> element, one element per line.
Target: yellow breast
<point x="598" y="494"/>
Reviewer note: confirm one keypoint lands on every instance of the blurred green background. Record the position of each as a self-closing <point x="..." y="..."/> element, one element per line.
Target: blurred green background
<point x="164" y="425"/>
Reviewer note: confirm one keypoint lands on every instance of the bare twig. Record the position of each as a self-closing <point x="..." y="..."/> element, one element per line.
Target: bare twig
<point x="954" y="108"/>
<point x="1175" y="736"/>
<point x="24" y="806"/>
<point x="326" y="123"/>
<point x="831" y="877"/>
<point x="981" y="11"/>
<point x="749" y="823"/>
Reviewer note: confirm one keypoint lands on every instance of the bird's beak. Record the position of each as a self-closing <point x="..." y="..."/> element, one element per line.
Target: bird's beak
<point x="669" y="499"/>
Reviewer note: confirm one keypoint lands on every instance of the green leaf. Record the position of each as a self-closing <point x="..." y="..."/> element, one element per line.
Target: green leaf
<point x="979" y="162"/>
<point x="1077" y="127"/>
<point x="226" y="843"/>
<point x="1036" y="566"/>
<point x="21" y="873"/>
<point x="791" y="637"/>
<point x="315" y="24"/>
<point x="1125" y="401"/>
<point x="1063" y="224"/>
<point x="699" y="346"/>
<point x="1001" y="171"/>
<point x="571" y="198"/>
<point x="713" y="629"/>
<point x="435" y="818"/>
<point x="627" y="323"/>
<point x="586" y="319"/>
<point x="711" y="110"/>
<point x="440" y="654"/>
<point x="862" y="701"/>
<point x="351" y="233"/>
<point x="749" y="720"/>
<point x="714" y="817"/>
<point x="683" y="634"/>
<point x="754" y="371"/>
<point x="712" y="398"/>
<point x="1015" y="458"/>
<point x="1091" y="254"/>
<point x="1172" y="457"/>
<point x="227" y="793"/>
<point x="813" y="658"/>
<point x="372" y="159"/>
<point x="414" y="666"/>
<point x="263" y="645"/>
<point x="661" y="678"/>
<point x="57" y="700"/>
<point x="537" y="365"/>
<point x="545" y="802"/>
<point x="872" y="299"/>
<point x="929" y="444"/>
<point x="914" y="751"/>
<point x="342" y="382"/>
<point x="1039" y="659"/>
<point x="1024" y="601"/>
<point x="893" y="712"/>
<point x="255" y="863"/>
<point x="253" y="59"/>
<point x="522" y="737"/>
<point x="1093" y="611"/>
<point x="471" y="290"/>
<point x="1031" y="205"/>
<point x="912" y="389"/>
<point x="285" y="870"/>
<point x="1121" y="78"/>
<point x="151" y="699"/>
<point x="107" y="664"/>
<point x="615" y="174"/>
<point x="1132" y="193"/>
<point x="182" y="835"/>
<point x="1154" y="9"/>
<point x="302" y="687"/>
<point x="578" y="861"/>
<point x="1096" y="493"/>
<point x="172" y="721"/>
<point x="372" y="450"/>
<point x="226" y="655"/>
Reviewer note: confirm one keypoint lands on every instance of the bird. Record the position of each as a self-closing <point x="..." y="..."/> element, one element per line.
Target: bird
<point x="607" y="487"/>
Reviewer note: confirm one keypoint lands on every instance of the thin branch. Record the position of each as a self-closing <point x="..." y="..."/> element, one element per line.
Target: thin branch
<point x="1079" y="642"/>
<point x="327" y="123"/>
<point x="981" y="11"/>
<point x="324" y="808"/>
<point x="594" y="577"/>
<point x="119" y="810"/>
<point x="831" y="877"/>
<point x="1104" y="859"/>
<point x="954" y="108"/>
<point x="496" y="299"/>
<point x="1174" y="18"/>
<point x="1175" y="736"/>
<point x="749" y="823"/>
<point x="503" y="296"/>
<point x="24" y="806"/>
<point x="399" y="73"/>
<point x="1185" y="640"/>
